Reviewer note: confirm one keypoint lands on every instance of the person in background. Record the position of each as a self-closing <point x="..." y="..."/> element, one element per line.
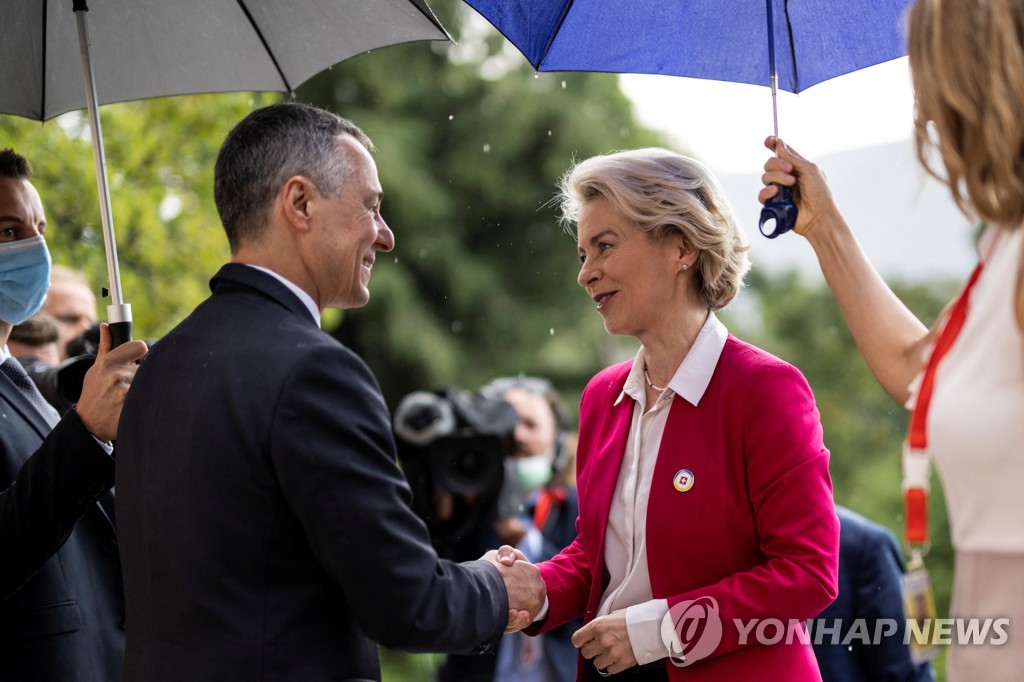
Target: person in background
<point x="541" y="466"/>
<point x="72" y="303"/>
<point x="36" y="340"/>
<point x="870" y="596"/>
<point x="61" y="604"/>
<point x="967" y="65"/>
<point x="267" y="531"/>
<point x="701" y="470"/>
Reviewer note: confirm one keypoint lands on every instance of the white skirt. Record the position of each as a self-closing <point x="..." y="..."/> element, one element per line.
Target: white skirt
<point x="988" y="585"/>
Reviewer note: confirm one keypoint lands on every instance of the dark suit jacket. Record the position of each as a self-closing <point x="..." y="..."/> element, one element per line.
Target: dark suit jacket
<point x="870" y="566"/>
<point x="61" y="605"/>
<point x="266" y="531"/>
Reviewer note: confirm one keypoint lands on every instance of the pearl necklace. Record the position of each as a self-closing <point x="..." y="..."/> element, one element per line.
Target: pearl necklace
<point x="651" y="383"/>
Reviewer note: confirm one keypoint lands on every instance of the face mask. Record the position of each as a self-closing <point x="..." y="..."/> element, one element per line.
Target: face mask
<point x="24" y="278"/>
<point x="532" y="472"/>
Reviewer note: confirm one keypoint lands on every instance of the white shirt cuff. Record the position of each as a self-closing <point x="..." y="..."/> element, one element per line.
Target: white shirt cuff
<point x="643" y="624"/>
<point x="107" y="447"/>
<point x="543" y="613"/>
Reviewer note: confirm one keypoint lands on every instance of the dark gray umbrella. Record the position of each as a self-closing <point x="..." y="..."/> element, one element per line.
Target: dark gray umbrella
<point x="134" y="49"/>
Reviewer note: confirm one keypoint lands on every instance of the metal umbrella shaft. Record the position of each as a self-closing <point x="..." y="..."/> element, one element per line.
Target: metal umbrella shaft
<point x="119" y="313"/>
<point x="779" y="214"/>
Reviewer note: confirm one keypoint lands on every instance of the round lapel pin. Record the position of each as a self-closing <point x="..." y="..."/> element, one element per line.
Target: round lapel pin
<point x="683" y="480"/>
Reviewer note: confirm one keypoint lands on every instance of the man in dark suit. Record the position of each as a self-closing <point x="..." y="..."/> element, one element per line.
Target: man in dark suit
<point x="266" y="529"/>
<point x="61" y="606"/>
<point x="870" y="567"/>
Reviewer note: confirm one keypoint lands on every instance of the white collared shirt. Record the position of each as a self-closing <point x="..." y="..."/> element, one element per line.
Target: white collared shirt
<point x="625" y="547"/>
<point x="306" y="299"/>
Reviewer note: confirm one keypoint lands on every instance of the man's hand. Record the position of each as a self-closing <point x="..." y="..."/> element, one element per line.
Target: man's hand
<point x="605" y="642"/>
<point x="106" y="384"/>
<point x="525" y="588"/>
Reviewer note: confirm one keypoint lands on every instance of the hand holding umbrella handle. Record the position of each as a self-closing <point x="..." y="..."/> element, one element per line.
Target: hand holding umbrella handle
<point x="119" y="319"/>
<point x="779" y="213"/>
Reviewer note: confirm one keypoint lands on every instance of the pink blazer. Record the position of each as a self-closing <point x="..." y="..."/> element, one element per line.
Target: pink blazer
<point x="757" y="531"/>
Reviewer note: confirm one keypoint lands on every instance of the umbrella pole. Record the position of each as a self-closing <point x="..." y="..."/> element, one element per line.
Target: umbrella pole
<point x="778" y="215"/>
<point x="119" y="313"/>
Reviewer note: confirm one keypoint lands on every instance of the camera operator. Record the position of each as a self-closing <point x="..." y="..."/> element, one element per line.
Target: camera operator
<point x="488" y="469"/>
<point x="544" y="470"/>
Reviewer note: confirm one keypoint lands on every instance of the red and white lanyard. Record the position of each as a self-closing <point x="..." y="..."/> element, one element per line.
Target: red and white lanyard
<point x="916" y="459"/>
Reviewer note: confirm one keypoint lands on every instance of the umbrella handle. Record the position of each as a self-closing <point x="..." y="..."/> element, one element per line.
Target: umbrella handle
<point x="119" y="320"/>
<point x="778" y="216"/>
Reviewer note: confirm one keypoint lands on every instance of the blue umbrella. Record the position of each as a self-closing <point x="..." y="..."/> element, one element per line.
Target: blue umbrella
<point x="726" y="40"/>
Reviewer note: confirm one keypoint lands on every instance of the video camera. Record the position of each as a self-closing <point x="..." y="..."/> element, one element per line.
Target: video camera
<point x="454" y="446"/>
<point x="61" y="386"/>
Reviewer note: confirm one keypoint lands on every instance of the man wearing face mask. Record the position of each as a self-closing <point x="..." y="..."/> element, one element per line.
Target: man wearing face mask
<point x="542" y="467"/>
<point x="61" y="607"/>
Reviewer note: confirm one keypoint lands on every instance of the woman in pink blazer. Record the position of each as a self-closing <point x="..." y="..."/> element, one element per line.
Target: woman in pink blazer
<point x="707" y="532"/>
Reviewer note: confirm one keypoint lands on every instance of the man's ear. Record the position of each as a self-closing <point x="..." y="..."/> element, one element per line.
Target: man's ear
<point x="296" y="199"/>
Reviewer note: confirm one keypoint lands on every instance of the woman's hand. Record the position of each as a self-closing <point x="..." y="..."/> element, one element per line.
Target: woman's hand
<point x="811" y="193"/>
<point x="605" y="642"/>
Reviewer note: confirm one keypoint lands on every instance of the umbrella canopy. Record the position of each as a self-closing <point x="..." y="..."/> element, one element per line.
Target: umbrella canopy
<point x="715" y="39"/>
<point x="155" y="48"/>
<point x="761" y="42"/>
<point x="55" y="60"/>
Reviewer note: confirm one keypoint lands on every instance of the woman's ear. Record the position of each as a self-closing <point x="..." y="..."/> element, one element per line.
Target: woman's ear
<point x="685" y="253"/>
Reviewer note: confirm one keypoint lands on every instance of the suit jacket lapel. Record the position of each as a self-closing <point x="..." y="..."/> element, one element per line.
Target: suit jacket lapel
<point x="20" y="404"/>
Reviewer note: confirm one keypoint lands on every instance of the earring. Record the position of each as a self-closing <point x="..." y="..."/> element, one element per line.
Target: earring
<point x="685" y="266"/>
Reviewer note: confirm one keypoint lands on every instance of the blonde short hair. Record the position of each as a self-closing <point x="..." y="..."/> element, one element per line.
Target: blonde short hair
<point x="664" y="193"/>
<point x="967" y="63"/>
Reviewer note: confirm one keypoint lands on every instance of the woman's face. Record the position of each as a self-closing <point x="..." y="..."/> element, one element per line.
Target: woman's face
<point x="633" y="280"/>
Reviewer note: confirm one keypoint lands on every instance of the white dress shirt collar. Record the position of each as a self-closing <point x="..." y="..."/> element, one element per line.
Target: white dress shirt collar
<point x="306" y="299"/>
<point x="693" y="374"/>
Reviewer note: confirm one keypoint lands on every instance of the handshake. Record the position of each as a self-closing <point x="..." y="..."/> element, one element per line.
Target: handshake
<point x="526" y="591"/>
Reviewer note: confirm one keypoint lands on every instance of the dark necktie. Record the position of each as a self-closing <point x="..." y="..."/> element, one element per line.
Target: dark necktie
<point x="16" y="373"/>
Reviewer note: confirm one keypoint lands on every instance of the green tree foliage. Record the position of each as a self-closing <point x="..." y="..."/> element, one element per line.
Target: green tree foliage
<point x="160" y="156"/>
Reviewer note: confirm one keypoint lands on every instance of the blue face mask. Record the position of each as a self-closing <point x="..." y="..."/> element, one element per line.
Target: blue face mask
<point x="24" y="278"/>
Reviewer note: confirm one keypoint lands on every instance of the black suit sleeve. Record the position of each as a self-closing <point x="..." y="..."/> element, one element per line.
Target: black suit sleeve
<point x="53" y="489"/>
<point x="335" y="459"/>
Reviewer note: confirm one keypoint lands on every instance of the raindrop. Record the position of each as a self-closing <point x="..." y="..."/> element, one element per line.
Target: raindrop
<point x="487" y="149"/>
<point x="563" y="85"/>
<point x="549" y="133"/>
<point x="536" y="74"/>
<point x="396" y="260"/>
<point x="552" y="331"/>
<point x="451" y="117"/>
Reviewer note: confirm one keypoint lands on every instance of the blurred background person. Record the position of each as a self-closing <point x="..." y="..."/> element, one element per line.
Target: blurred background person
<point x="72" y="303"/>
<point x="36" y="340"/>
<point x="870" y="595"/>
<point x="539" y="481"/>
<point x="700" y="463"/>
<point x="964" y="378"/>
